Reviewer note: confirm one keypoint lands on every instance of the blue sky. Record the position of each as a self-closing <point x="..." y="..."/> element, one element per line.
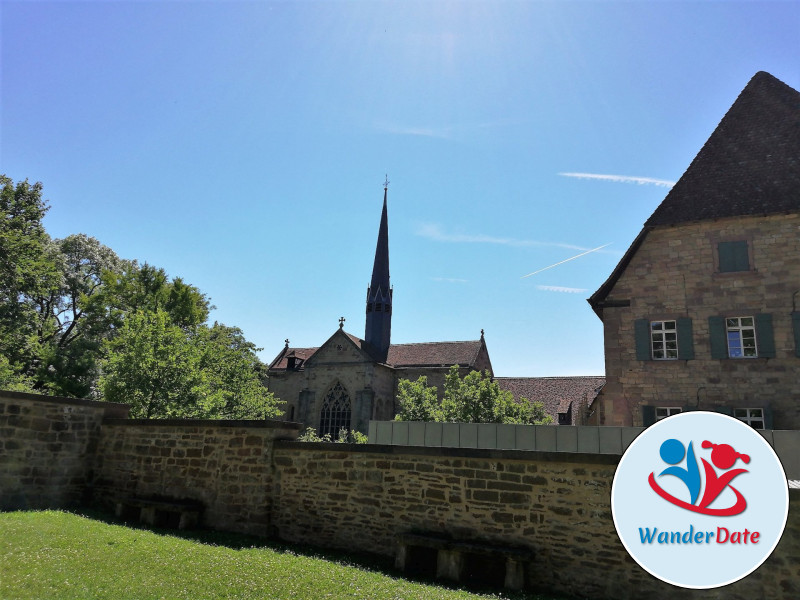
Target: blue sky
<point x="243" y="146"/>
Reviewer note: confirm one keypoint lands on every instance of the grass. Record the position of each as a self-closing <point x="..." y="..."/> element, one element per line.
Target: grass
<point x="52" y="555"/>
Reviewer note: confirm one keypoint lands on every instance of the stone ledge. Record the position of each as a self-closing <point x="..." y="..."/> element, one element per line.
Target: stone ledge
<point x="570" y="457"/>
<point x="111" y="407"/>
<point x="250" y="423"/>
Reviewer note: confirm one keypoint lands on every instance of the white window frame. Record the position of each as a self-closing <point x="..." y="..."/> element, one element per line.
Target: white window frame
<point x="664" y="340"/>
<point x="752" y="416"/>
<point x="662" y="412"/>
<point x="744" y="335"/>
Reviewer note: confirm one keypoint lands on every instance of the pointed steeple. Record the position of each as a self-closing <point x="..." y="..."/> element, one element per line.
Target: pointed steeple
<point x="379" y="294"/>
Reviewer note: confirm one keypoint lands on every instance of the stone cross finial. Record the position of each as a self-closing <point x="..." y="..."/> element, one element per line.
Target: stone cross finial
<point x="481" y="333"/>
<point x="341" y="322"/>
<point x="287" y="342"/>
<point x="386" y="182"/>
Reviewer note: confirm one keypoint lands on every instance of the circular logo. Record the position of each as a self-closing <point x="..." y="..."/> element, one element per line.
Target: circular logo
<point x="699" y="500"/>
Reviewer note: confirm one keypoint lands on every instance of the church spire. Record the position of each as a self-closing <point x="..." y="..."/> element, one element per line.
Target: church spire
<point x="379" y="294"/>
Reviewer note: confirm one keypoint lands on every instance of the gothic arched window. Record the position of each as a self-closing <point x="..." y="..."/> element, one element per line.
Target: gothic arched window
<point x="335" y="411"/>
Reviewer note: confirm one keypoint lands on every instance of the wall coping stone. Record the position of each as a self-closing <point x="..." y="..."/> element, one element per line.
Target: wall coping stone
<point x="116" y="408"/>
<point x="250" y="423"/>
<point x="569" y="457"/>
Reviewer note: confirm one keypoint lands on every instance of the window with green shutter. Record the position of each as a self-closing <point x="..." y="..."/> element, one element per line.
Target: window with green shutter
<point x="741" y="337"/>
<point x="664" y="340"/>
<point x="733" y="256"/>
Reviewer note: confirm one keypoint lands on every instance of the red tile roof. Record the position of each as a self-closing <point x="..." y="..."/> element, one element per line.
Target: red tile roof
<point x="434" y="354"/>
<point x="556" y="393"/>
<point x="429" y="354"/>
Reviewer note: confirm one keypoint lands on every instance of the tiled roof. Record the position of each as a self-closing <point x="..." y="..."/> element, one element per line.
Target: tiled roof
<point x="556" y="393"/>
<point x="434" y="354"/>
<point x="749" y="166"/>
<point x="430" y="354"/>
<point x="280" y="361"/>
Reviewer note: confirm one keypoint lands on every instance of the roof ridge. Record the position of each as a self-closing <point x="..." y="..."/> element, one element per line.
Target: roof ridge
<point x="430" y="343"/>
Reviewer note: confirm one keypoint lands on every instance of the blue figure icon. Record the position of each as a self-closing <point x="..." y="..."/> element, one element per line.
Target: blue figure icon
<point x="672" y="452"/>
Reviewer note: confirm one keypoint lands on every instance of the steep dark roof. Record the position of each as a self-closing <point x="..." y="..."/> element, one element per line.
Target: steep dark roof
<point x="434" y="354"/>
<point x="556" y="393"/>
<point x="749" y="166"/>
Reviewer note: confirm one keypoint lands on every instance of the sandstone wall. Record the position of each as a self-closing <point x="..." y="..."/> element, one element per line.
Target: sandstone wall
<point x="675" y="274"/>
<point x="47" y="447"/>
<point x="557" y="505"/>
<point x="226" y="465"/>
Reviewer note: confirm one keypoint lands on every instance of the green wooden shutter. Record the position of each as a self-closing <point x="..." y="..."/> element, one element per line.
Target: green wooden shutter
<point x="648" y="415"/>
<point x="725" y="410"/>
<point x="685" y="341"/>
<point x="764" y="337"/>
<point x="717" y="337"/>
<point x="733" y="256"/>
<point x="796" y="327"/>
<point x="641" y="330"/>
<point x="768" y="423"/>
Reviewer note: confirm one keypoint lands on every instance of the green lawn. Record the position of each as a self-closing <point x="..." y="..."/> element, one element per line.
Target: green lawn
<point x="51" y="555"/>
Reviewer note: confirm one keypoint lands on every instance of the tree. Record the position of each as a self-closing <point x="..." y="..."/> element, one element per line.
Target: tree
<point x="164" y="371"/>
<point x="418" y="401"/>
<point x="26" y="271"/>
<point x="473" y="399"/>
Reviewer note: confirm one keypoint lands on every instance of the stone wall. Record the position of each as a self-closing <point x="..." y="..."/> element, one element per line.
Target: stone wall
<point x="225" y="465"/>
<point x="47" y="447"/>
<point x="557" y="505"/>
<point x="674" y="274"/>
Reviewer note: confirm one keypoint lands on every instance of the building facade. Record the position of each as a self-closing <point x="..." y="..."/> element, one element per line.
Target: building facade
<point x="347" y="380"/>
<point x="703" y="311"/>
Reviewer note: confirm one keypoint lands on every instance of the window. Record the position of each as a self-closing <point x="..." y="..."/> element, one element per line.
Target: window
<point x="752" y="416"/>
<point x="733" y="256"/>
<point x="664" y="340"/>
<point x="662" y="412"/>
<point x="741" y="333"/>
<point x="741" y="337"/>
<point x="335" y="412"/>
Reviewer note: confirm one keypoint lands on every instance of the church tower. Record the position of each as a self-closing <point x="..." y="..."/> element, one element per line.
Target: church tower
<point x="379" y="294"/>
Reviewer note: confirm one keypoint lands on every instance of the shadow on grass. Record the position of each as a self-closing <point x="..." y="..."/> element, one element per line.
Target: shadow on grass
<point x="360" y="560"/>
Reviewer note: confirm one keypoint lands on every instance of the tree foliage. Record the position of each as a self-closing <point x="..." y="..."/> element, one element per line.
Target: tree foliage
<point x="474" y="399"/>
<point x="76" y="320"/>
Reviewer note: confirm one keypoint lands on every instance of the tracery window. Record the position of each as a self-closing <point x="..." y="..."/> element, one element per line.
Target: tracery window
<point x="335" y="412"/>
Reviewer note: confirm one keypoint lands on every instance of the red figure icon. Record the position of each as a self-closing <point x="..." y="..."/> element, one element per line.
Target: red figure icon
<point x="724" y="457"/>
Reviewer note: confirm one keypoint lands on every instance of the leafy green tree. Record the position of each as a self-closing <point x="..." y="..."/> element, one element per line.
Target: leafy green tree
<point x="474" y="399"/>
<point x="164" y="371"/>
<point x="11" y="380"/>
<point x="418" y="401"/>
<point x="233" y="375"/>
<point x="26" y="271"/>
<point x="133" y="288"/>
<point x="69" y="335"/>
<point x="152" y="366"/>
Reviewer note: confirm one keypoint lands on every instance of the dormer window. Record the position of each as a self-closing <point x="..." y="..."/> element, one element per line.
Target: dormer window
<point x="291" y="362"/>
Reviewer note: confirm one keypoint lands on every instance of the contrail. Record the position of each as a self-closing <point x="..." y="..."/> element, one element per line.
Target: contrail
<point x="567" y="260"/>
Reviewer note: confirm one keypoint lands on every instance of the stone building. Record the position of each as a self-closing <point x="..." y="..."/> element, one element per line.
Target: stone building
<point x="702" y="310"/>
<point x="347" y="380"/>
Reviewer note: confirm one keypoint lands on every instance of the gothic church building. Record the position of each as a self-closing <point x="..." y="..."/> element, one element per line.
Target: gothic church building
<point x="347" y="380"/>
